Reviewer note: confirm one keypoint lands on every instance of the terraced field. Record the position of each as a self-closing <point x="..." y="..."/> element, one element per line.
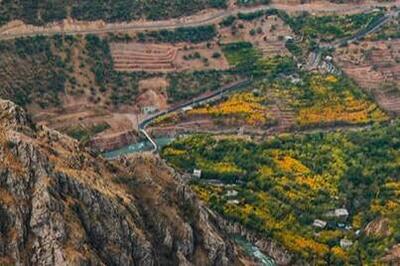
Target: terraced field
<point x="375" y="67"/>
<point x="143" y="57"/>
<point x="165" y="58"/>
<point x="312" y="101"/>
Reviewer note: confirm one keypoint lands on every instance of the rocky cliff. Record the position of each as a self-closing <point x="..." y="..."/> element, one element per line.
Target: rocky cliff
<point x="62" y="205"/>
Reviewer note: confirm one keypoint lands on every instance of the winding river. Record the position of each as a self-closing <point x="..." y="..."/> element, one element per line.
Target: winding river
<point x="137" y="147"/>
<point x="254" y="252"/>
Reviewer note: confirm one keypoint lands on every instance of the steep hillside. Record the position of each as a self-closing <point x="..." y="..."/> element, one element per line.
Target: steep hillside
<point x="60" y="205"/>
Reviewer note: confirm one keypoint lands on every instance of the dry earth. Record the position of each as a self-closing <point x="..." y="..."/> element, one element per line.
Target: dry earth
<point x="269" y="38"/>
<point x="130" y="57"/>
<point x="375" y="66"/>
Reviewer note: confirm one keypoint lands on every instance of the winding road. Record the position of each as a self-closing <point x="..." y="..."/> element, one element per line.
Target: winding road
<point x="79" y="27"/>
<point x="192" y="103"/>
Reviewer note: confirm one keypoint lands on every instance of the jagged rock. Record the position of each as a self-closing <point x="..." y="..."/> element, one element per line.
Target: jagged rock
<point x="62" y="205"/>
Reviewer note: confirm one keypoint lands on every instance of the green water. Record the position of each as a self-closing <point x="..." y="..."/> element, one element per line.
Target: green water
<point x="254" y="252"/>
<point x="137" y="147"/>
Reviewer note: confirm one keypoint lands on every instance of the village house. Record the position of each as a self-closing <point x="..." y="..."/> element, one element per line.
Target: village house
<point x="319" y="223"/>
<point x="197" y="173"/>
<point x="231" y="193"/>
<point x="345" y="243"/>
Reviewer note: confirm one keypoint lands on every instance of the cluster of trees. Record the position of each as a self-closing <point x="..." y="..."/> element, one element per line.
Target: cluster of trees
<point x="44" y="11"/>
<point x="328" y="28"/>
<point x="248" y="61"/>
<point x="228" y="21"/>
<point x="189" y="34"/>
<point x="252" y="2"/>
<point x="239" y="109"/>
<point x="288" y="181"/>
<point x="83" y="133"/>
<point x="33" y="12"/>
<point x="186" y="85"/>
<point x="128" y="10"/>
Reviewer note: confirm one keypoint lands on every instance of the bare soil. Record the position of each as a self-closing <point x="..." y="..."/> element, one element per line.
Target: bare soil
<point x="153" y="92"/>
<point x="130" y="57"/>
<point x="375" y="66"/>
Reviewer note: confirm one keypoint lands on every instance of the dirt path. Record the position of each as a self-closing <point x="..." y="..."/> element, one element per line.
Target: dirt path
<point x="18" y="29"/>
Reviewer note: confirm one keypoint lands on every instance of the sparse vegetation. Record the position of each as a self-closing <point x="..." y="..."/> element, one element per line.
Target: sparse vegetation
<point x="45" y="11"/>
<point x="31" y="72"/>
<point x="184" y="86"/>
<point x="84" y="133"/>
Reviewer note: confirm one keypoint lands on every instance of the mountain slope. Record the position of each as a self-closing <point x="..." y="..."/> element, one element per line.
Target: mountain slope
<point x="60" y="205"/>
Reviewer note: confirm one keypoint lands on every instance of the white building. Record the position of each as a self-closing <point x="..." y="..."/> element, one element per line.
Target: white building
<point x="345" y="243"/>
<point x="288" y="38"/>
<point x="338" y="213"/>
<point x="231" y="193"/>
<point x="319" y="223"/>
<point x="341" y="213"/>
<point x="187" y="108"/>
<point x="197" y="173"/>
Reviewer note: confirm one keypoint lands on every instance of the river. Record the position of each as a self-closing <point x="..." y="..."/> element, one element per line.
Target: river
<point x="137" y="147"/>
<point x="254" y="251"/>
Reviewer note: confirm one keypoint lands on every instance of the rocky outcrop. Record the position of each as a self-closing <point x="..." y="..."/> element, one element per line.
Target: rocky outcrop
<point x="379" y="227"/>
<point x="113" y="142"/>
<point x="62" y="205"/>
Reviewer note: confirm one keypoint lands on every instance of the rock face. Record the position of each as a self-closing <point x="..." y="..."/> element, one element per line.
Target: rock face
<point x="113" y="142"/>
<point x="61" y="205"/>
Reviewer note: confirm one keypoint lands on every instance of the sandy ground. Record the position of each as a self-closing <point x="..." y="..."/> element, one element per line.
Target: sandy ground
<point x="153" y="92"/>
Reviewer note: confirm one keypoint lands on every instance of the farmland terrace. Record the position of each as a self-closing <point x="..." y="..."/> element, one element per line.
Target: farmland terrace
<point x="374" y="65"/>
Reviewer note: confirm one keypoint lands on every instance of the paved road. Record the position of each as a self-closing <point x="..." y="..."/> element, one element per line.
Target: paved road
<point x="364" y="32"/>
<point x="191" y="103"/>
<point x="183" y="22"/>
